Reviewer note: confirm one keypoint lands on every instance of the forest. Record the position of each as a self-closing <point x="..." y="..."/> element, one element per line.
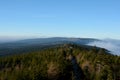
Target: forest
<point x="59" y="63"/>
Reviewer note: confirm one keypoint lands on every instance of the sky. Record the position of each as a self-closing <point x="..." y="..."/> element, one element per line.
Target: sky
<point x="60" y="18"/>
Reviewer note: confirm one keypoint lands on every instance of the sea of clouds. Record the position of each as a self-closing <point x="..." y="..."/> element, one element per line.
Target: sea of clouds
<point x="110" y="44"/>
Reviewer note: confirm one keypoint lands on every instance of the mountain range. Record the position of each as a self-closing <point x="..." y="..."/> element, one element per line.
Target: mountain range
<point x="28" y="45"/>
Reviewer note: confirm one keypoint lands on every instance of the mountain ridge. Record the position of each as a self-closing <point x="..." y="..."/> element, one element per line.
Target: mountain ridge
<point x="39" y="43"/>
<point x="62" y="62"/>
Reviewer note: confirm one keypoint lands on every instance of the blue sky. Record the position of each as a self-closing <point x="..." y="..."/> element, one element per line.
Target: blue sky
<point x="60" y="18"/>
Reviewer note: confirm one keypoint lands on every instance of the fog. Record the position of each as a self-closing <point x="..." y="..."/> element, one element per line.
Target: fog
<point x="4" y="39"/>
<point x="110" y="44"/>
<point x="7" y="39"/>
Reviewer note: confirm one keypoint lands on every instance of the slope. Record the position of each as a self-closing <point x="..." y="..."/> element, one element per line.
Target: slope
<point x="57" y="63"/>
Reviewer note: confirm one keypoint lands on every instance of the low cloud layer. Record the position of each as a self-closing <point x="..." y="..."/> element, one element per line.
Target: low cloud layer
<point x="112" y="45"/>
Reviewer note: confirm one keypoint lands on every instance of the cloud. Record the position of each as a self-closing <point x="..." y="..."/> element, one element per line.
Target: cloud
<point x="112" y="45"/>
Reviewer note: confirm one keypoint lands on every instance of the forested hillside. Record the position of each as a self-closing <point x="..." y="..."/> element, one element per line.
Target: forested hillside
<point x="63" y="62"/>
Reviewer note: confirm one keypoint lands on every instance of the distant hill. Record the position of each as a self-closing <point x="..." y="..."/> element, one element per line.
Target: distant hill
<point x="42" y="41"/>
<point x="28" y="45"/>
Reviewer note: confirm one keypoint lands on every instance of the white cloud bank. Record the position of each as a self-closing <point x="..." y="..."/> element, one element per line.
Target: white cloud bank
<point x="112" y="45"/>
